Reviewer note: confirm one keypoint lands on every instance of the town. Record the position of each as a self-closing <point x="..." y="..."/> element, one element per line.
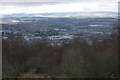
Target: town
<point x="58" y="30"/>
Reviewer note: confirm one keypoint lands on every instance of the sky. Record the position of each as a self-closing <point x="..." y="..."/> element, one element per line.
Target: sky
<point x="53" y="6"/>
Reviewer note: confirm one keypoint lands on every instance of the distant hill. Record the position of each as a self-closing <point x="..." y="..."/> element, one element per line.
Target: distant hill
<point x="66" y="14"/>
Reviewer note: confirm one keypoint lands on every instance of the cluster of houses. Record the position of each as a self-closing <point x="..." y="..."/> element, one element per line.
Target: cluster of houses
<point x="54" y="40"/>
<point x="60" y="38"/>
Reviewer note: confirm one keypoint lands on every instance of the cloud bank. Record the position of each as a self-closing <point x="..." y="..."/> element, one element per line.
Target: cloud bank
<point x="54" y="7"/>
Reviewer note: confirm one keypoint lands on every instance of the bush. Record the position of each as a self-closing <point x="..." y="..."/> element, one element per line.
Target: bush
<point x="74" y="59"/>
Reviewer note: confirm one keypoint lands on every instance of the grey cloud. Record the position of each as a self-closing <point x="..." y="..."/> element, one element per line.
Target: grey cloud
<point x="57" y="0"/>
<point x="46" y="2"/>
<point x="27" y="3"/>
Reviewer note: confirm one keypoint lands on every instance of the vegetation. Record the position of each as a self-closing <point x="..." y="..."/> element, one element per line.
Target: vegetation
<point x="74" y="59"/>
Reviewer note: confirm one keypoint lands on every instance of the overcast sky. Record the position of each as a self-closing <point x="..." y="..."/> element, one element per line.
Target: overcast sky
<point x="51" y="6"/>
